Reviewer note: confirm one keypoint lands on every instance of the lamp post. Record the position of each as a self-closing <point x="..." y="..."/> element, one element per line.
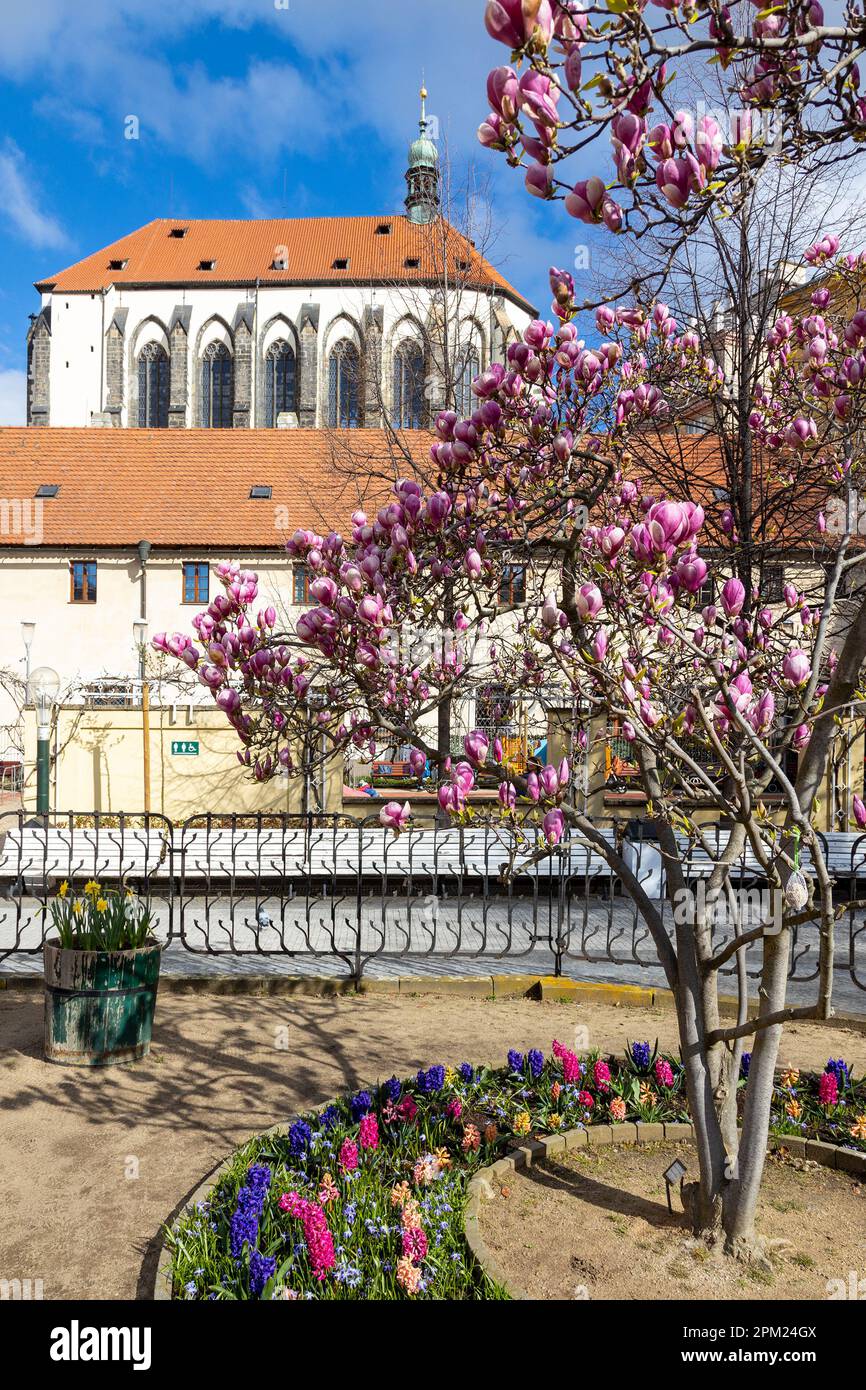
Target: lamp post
<point x="27" y="631"/>
<point x="139" y="628"/>
<point x="43" y="688"/>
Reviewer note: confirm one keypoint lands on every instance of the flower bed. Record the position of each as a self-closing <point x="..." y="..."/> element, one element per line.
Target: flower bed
<point x="365" y="1198"/>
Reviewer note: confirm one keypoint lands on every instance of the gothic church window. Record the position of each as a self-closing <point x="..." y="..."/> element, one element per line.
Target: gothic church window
<point x="468" y="369"/>
<point x="408" y="404"/>
<point x="217" y="388"/>
<point x="280" y="382"/>
<point x="153" y="387"/>
<point x="344" y="395"/>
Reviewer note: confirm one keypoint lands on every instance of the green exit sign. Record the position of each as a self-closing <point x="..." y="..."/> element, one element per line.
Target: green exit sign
<point x="184" y="748"/>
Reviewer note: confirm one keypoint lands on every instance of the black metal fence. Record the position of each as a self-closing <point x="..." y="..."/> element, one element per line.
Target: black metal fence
<point x="321" y="888"/>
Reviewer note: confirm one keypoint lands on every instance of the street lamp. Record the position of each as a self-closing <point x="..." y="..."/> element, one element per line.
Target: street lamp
<point x="43" y="687"/>
<point x="139" y="628"/>
<point x="27" y="631"/>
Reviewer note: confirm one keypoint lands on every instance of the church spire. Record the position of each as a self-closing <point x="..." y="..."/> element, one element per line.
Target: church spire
<point x="422" y="176"/>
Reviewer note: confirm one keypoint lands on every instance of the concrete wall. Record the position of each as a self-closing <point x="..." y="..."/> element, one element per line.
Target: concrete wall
<point x="97" y="765"/>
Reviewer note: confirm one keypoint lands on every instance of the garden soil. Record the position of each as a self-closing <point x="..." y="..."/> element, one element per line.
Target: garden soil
<point x="94" y="1161"/>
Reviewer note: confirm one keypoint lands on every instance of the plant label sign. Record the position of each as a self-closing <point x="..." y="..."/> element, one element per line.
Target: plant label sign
<point x="184" y="748"/>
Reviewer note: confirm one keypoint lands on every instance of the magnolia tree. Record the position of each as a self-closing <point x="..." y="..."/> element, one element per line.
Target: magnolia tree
<point x="711" y="696"/>
<point x="621" y="76"/>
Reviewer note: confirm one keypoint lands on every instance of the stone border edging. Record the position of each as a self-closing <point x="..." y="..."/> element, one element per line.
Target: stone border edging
<point x="597" y="1136"/>
<point x="523" y="1156"/>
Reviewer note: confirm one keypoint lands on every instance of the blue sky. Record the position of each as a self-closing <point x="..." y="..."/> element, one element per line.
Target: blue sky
<point x="246" y="108"/>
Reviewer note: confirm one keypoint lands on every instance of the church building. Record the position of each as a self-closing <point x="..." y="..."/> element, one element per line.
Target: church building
<point x="324" y="322"/>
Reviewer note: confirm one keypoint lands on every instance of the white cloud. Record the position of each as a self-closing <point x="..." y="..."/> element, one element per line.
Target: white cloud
<point x="13" y="398"/>
<point x="19" y="205"/>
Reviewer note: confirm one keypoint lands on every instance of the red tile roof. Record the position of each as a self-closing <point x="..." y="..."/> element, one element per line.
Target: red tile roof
<point x="192" y="487"/>
<point x="244" y="253"/>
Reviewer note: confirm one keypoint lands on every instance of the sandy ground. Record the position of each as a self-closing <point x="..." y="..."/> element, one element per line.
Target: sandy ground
<point x="92" y="1162"/>
<point x="616" y="1240"/>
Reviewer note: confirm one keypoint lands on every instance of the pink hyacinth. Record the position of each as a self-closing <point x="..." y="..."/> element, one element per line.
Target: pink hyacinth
<point x="348" y="1156"/>
<point x="414" y="1243"/>
<point x="664" y="1073"/>
<point x="369" y="1132"/>
<point x="601" y="1075"/>
<point x="570" y="1063"/>
<point x="320" y="1242"/>
<point x="454" y="1108"/>
<point x="828" y="1089"/>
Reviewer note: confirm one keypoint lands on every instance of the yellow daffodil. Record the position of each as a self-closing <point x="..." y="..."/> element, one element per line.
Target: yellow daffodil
<point x="78" y="907"/>
<point x="91" y="888"/>
<point x="101" y="904"/>
<point x="63" y="889"/>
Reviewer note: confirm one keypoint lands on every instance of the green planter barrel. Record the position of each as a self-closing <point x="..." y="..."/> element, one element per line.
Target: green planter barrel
<point x="99" y="1004"/>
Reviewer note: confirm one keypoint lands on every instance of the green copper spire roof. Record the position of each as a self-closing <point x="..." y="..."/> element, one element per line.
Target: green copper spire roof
<point x="423" y="150"/>
<point x="422" y="176"/>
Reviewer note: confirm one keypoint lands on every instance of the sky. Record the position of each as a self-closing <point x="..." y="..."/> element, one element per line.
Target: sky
<point x="244" y="108"/>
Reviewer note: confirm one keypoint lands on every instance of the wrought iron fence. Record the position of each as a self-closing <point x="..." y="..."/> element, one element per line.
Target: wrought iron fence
<point x="330" y="888"/>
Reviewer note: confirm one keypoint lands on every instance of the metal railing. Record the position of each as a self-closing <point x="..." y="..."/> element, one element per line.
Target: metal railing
<point x="326" y="887"/>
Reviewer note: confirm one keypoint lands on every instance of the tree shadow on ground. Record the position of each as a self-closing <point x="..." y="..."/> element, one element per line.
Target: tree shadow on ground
<point x="606" y="1196"/>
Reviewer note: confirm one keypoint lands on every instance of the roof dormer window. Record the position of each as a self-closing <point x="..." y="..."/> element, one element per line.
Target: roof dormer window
<point x="118" y="265"/>
<point x="178" y="232"/>
<point x="384" y="229"/>
<point x="207" y="265"/>
<point x="341" y="263"/>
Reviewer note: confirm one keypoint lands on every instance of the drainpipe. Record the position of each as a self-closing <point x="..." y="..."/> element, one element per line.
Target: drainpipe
<point x="144" y="549"/>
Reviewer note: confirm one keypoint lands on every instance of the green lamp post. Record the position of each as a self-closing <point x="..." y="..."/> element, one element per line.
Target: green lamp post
<point x="42" y="691"/>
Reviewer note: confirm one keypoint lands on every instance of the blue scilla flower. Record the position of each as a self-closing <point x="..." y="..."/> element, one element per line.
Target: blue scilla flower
<point x="360" y="1105"/>
<point x="640" y="1054"/>
<point x="190" y="1288"/>
<point x="259" y="1176"/>
<point x="392" y="1089"/>
<point x="351" y="1212"/>
<point x="329" y="1116"/>
<point x="745" y="1063"/>
<point x="466" y="1072"/>
<point x="536" y="1062"/>
<point x="244" y="1228"/>
<point x="300" y="1136"/>
<point x="515" y="1060"/>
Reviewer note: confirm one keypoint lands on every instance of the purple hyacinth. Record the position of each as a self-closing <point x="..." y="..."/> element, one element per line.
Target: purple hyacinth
<point x="536" y="1062"/>
<point x="261" y="1270"/>
<point x="466" y="1072"/>
<point x="360" y="1105"/>
<point x="640" y="1055"/>
<point x="515" y="1061"/>
<point x="431" y="1080"/>
<point x="330" y="1116"/>
<point x="392" y="1088"/>
<point x="840" y="1069"/>
<point x="244" y="1229"/>
<point x="259" y="1176"/>
<point x="300" y="1136"/>
<point x="745" y="1063"/>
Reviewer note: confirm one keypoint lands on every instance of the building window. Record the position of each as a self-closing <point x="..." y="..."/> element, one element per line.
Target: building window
<point x="301" y="584"/>
<point x="343" y="387"/>
<point x="83" y="581"/>
<point x="772" y="584"/>
<point x="153" y="387"/>
<point x="495" y="711"/>
<point x="408" y="412"/>
<point x="280" y="380"/>
<point x="217" y="388"/>
<point x="196" y="581"/>
<point x="706" y="593"/>
<point x="464" y="401"/>
<point x="512" y="584"/>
